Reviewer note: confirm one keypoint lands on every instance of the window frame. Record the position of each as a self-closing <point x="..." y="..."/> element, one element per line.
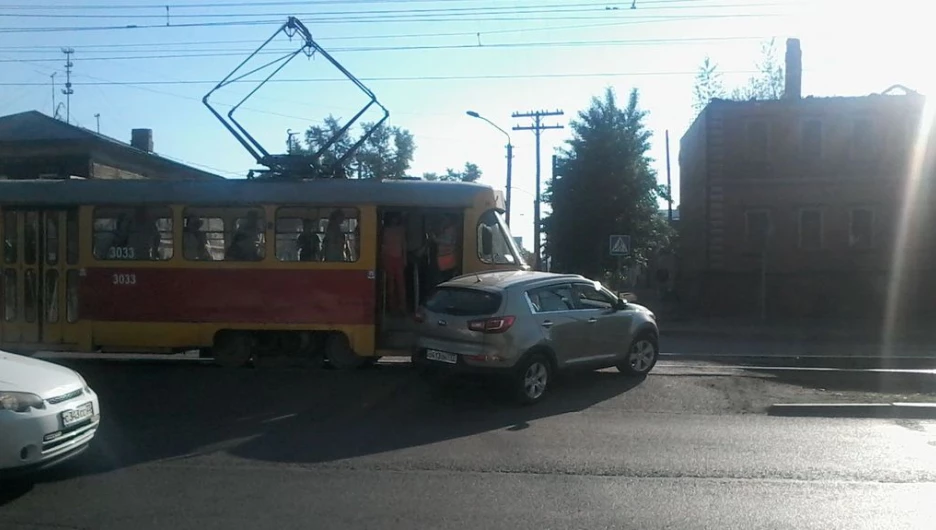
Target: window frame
<point x="594" y="287"/>
<point x="528" y="294"/>
<point x="504" y="232"/>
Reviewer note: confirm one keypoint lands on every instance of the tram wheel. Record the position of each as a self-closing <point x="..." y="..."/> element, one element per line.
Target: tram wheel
<point x="231" y="349"/>
<point x="339" y="354"/>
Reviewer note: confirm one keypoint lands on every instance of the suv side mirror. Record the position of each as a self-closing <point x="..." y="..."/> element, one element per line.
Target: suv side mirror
<point x="621" y="304"/>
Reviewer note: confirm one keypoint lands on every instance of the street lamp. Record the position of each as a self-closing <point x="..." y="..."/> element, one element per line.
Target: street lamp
<point x="474" y="114"/>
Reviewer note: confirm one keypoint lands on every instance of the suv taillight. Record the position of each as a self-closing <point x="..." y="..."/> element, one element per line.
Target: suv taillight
<point x="492" y="325"/>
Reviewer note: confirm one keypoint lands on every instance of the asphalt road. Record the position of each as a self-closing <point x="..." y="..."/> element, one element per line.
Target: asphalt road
<point x="190" y="446"/>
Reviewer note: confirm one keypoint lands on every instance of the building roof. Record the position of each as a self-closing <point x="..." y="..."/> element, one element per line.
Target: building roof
<point x="33" y="127"/>
<point x="240" y="191"/>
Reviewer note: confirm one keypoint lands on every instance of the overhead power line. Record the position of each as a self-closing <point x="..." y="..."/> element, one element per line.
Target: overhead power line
<point x="400" y="78"/>
<point x="202" y="53"/>
<point x="477" y="10"/>
<point x="280" y="3"/>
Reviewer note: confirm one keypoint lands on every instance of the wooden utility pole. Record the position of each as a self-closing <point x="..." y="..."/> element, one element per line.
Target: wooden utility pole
<point x="537" y="129"/>
<point x="669" y="184"/>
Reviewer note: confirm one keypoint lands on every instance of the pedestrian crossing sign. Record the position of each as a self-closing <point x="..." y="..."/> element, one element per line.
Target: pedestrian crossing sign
<point x="620" y="245"/>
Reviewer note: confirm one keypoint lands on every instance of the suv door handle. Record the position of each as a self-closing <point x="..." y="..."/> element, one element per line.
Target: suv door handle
<point x="592" y="320"/>
<point x="547" y="323"/>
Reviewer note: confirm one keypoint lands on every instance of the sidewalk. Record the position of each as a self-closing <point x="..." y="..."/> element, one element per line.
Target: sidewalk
<point x="864" y="333"/>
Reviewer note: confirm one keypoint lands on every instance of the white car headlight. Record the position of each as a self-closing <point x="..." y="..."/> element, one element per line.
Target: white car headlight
<point x="20" y="401"/>
<point x="84" y="384"/>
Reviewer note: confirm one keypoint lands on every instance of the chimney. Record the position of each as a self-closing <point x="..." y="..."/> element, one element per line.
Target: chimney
<point x="793" y="79"/>
<point x="142" y="139"/>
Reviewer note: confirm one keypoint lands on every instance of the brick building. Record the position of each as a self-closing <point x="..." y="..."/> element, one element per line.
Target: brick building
<point x="33" y="145"/>
<point x="791" y="206"/>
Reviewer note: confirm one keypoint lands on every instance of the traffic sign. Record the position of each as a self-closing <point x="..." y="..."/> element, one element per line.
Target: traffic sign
<point x="620" y="245"/>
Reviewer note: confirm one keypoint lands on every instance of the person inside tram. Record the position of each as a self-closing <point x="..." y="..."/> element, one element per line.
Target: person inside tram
<point x="393" y="260"/>
<point x="335" y="244"/>
<point x="308" y="244"/>
<point x="142" y="236"/>
<point x="194" y="241"/>
<point x="247" y="241"/>
<point x="445" y="239"/>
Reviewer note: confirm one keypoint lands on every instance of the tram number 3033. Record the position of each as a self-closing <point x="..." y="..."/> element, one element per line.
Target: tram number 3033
<point x="124" y="279"/>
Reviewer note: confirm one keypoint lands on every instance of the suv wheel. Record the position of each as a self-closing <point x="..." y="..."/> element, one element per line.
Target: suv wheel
<point x="533" y="379"/>
<point x="641" y="356"/>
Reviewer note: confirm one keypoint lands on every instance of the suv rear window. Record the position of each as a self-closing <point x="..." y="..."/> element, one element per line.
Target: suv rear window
<point x="463" y="302"/>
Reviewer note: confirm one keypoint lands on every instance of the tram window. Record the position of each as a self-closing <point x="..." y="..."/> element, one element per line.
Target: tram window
<point x="317" y="234"/>
<point x="223" y="234"/>
<point x="71" y="237"/>
<point x="493" y="246"/>
<point x="31" y="238"/>
<point x="52" y="238"/>
<point x="71" y="295"/>
<point x="133" y="234"/>
<point x="9" y="237"/>
<point x="51" y="296"/>
<point x="9" y="294"/>
<point x="30" y="294"/>
<point x="202" y="236"/>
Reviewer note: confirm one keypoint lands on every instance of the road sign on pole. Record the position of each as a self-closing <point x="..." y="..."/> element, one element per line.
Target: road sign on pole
<point x="619" y="245"/>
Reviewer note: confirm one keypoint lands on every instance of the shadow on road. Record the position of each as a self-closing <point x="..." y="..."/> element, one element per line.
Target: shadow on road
<point x="904" y="383"/>
<point x="163" y="410"/>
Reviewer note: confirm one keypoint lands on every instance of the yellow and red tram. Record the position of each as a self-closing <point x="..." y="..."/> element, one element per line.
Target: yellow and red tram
<point x="239" y="268"/>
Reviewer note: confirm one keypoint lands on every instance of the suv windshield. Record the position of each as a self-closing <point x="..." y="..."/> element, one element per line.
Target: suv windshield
<point x="463" y="302"/>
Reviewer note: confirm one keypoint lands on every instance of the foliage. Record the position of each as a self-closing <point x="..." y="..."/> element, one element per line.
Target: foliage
<point x="604" y="185"/>
<point x="386" y="154"/>
<point x="471" y="173"/>
<point x="766" y="84"/>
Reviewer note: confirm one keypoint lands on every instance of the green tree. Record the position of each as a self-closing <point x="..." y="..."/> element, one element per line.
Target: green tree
<point x="386" y="154"/>
<point x="766" y="84"/>
<point x="604" y="185"/>
<point x="708" y="85"/>
<point x="470" y="173"/>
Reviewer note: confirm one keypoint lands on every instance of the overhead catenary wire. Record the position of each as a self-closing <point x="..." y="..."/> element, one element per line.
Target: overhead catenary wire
<point x="204" y="52"/>
<point x="275" y="3"/>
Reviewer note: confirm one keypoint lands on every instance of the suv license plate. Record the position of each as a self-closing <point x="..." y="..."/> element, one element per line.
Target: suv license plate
<point x="441" y="356"/>
<point x="77" y="415"/>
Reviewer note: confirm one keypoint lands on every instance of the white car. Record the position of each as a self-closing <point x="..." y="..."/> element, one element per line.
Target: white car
<point x="48" y="414"/>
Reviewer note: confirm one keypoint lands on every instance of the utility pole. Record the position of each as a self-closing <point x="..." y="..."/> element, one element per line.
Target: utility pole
<point x="98" y="118"/>
<point x="68" y="91"/>
<point x="537" y="129"/>
<point x="53" y="92"/>
<point x="669" y="185"/>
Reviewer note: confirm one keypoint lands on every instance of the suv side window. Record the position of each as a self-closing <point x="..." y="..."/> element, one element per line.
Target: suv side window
<point x="552" y="298"/>
<point x="587" y="296"/>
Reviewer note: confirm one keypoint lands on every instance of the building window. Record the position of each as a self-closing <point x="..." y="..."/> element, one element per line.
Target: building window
<point x="862" y="146"/>
<point x="757" y="227"/>
<point x="317" y="234"/>
<point x="861" y="226"/>
<point x="812" y="139"/>
<point x="756" y="140"/>
<point x="810" y="229"/>
<point x="133" y="234"/>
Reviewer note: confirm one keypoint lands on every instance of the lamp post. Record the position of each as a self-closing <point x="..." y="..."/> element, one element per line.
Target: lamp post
<point x="474" y="114"/>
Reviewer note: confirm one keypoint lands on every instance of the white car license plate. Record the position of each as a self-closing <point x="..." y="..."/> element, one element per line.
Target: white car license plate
<point x="442" y="356"/>
<point x="78" y="414"/>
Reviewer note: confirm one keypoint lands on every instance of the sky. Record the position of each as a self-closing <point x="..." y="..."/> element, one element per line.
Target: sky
<point x="139" y="64"/>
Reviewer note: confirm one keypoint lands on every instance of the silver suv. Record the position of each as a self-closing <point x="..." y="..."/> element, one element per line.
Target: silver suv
<point x="528" y="326"/>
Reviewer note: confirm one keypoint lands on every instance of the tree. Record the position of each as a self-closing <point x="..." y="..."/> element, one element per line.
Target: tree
<point x="471" y="173"/>
<point x="767" y="84"/>
<point x="604" y="185"/>
<point x="708" y="85"/>
<point x="386" y="154"/>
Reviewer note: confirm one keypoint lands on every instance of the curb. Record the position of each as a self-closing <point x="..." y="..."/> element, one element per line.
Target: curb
<point x="813" y="361"/>
<point x="915" y="411"/>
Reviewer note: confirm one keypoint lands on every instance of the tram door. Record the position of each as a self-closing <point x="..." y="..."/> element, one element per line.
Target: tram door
<point x="40" y="275"/>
